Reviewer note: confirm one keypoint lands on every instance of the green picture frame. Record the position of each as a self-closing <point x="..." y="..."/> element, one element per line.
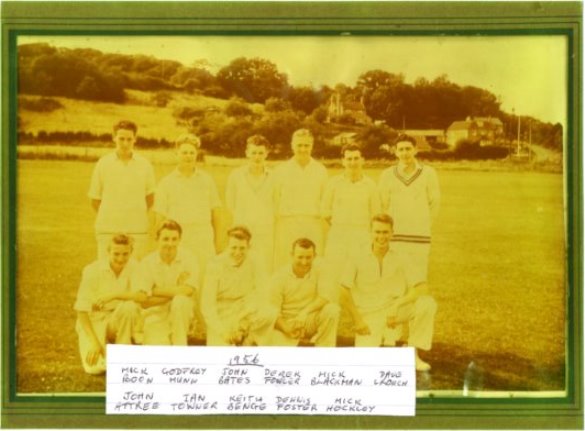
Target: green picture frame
<point x="300" y="18"/>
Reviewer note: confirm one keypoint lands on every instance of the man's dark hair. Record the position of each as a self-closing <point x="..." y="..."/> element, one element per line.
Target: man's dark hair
<point x="405" y="138"/>
<point x="122" y="239"/>
<point x="169" y="225"/>
<point x="383" y="218"/>
<point x="303" y="243"/>
<point x="350" y="147"/>
<point x="241" y="233"/>
<point x="259" y="141"/>
<point x="125" y="125"/>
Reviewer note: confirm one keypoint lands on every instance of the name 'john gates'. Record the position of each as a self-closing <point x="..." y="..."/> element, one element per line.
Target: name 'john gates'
<point x="194" y="402"/>
<point x="281" y="377"/>
<point x="334" y="378"/>
<point x="184" y="375"/>
<point x="234" y="376"/>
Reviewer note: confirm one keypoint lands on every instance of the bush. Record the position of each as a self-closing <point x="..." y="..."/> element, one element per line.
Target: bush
<point x="44" y="104"/>
<point x="319" y="114"/>
<point x="238" y="108"/>
<point x="274" y="104"/>
<point x="161" y="98"/>
<point x="188" y="113"/>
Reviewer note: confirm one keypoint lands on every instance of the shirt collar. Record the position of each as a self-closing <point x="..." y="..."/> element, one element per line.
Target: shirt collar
<point x="178" y="258"/>
<point x="132" y="157"/>
<point x="401" y="168"/>
<point x="178" y="173"/>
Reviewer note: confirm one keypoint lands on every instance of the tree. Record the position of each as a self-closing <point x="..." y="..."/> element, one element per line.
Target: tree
<point x="238" y="108"/>
<point x="372" y="138"/>
<point x="255" y="80"/>
<point x="384" y="95"/>
<point x="274" y="104"/>
<point x="304" y="99"/>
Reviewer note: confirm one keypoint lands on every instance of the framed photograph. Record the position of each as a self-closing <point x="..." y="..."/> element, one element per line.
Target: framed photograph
<point x="486" y="96"/>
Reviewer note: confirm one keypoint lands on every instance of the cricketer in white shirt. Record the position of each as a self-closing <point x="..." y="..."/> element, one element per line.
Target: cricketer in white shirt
<point x="121" y="192"/>
<point x="234" y="300"/>
<point x="410" y="195"/>
<point x="382" y="291"/>
<point x="250" y="198"/>
<point x="299" y="188"/>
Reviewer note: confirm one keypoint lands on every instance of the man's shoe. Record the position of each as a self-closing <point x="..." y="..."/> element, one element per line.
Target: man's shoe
<point x="422" y="365"/>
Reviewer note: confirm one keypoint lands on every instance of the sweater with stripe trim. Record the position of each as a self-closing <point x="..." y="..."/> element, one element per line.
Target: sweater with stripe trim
<point x="412" y="200"/>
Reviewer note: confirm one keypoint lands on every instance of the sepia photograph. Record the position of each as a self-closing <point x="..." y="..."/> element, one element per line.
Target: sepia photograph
<point x="343" y="190"/>
<point x="421" y="186"/>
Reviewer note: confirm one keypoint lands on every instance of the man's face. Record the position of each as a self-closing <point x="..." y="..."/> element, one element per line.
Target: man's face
<point x="237" y="250"/>
<point x="405" y="152"/>
<point x="381" y="234"/>
<point x="168" y="240"/>
<point x="256" y="154"/>
<point x="187" y="154"/>
<point x="124" y="140"/>
<point x="353" y="161"/>
<point x="302" y="146"/>
<point x="119" y="255"/>
<point x="302" y="259"/>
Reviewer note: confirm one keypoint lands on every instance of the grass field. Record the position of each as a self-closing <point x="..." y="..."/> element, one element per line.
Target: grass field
<point x="497" y="271"/>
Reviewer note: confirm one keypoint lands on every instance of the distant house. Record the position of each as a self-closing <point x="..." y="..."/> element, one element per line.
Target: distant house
<point x="344" y="139"/>
<point x="485" y="130"/>
<point x="337" y="108"/>
<point x="425" y="138"/>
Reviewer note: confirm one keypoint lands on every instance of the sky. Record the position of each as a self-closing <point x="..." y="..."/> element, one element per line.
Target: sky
<point x="528" y="73"/>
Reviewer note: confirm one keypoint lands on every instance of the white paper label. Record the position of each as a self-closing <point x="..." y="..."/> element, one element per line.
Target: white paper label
<point x="260" y="380"/>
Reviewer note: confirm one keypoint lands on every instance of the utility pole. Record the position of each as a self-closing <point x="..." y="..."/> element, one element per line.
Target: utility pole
<point x="530" y="141"/>
<point x="518" y="143"/>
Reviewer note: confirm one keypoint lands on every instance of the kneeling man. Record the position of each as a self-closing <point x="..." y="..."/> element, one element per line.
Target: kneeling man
<point x="106" y="311"/>
<point x="304" y="312"/>
<point x="381" y="290"/>
<point x="234" y="297"/>
<point x="168" y="283"/>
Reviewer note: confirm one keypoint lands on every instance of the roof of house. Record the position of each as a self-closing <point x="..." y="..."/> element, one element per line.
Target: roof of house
<point x="424" y="132"/>
<point x="460" y="125"/>
<point x="492" y="120"/>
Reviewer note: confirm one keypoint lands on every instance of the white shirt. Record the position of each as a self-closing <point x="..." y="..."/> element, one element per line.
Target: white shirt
<point x="122" y="188"/>
<point x="374" y="286"/>
<point x="226" y="284"/>
<point x="290" y="294"/>
<point x="154" y="272"/>
<point x="99" y="280"/>
<point x="187" y="199"/>
<point x="299" y="189"/>
<point x="411" y="200"/>
<point x="350" y="203"/>
<point x="251" y="199"/>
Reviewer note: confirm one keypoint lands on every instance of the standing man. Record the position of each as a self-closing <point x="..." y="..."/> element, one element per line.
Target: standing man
<point x="122" y="191"/>
<point x="382" y="291"/>
<point x="106" y="311"/>
<point x="250" y="198"/>
<point x="350" y="201"/>
<point x="234" y="298"/>
<point x="410" y="195"/>
<point x="301" y="300"/>
<point x="189" y="196"/>
<point x="167" y="284"/>
<point x="299" y="187"/>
